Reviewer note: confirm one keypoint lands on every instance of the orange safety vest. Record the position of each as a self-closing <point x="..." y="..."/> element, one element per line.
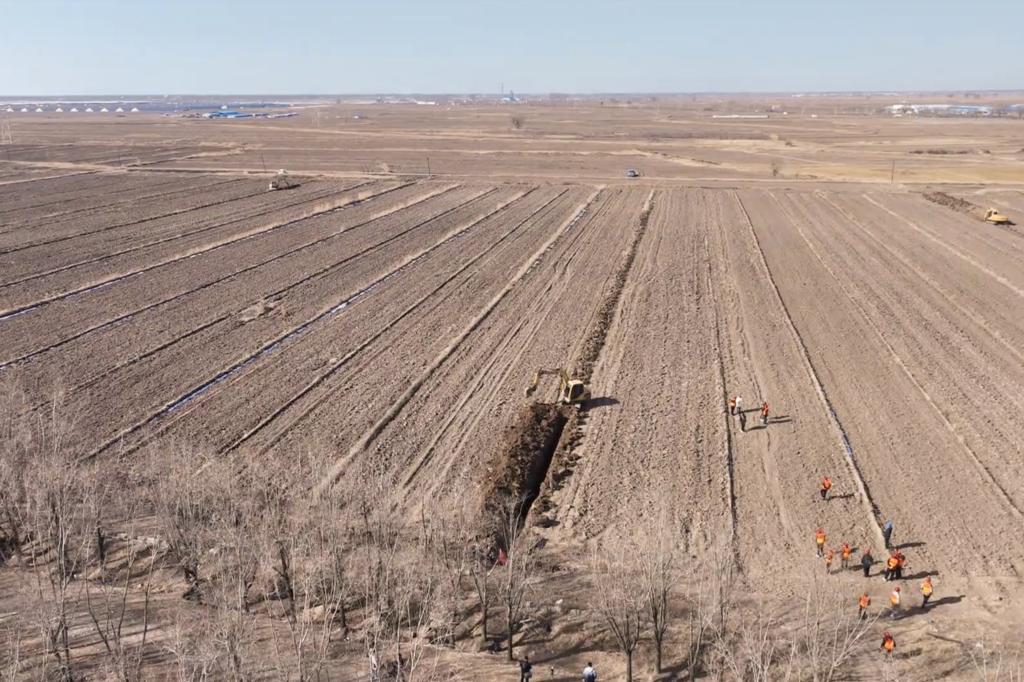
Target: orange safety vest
<point x="926" y="588"/>
<point x="846" y="551"/>
<point x="892" y="563"/>
<point x="819" y="538"/>
<point x="826" y="483"/>
<point x="894" y="599"/>
<point x="865" y="601"/>
<point x="889" y="644"/>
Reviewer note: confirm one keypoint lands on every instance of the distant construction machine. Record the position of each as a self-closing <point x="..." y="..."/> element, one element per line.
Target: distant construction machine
<point x="570" y="391"/>
<point x="995" y="217"/>
<point x="282" y="181"/>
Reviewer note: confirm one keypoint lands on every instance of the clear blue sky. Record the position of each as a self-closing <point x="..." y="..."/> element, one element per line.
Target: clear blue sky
<point x="51" y="47"/>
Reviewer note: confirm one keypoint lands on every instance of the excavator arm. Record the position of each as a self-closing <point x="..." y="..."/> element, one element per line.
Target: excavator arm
<point x="570" y="391"/>
<point x="563" y="379"/>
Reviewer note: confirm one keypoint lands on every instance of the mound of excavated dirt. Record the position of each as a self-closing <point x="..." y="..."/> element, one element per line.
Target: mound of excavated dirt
<point x="522" y="457"/>
<point x="955" y="203"/>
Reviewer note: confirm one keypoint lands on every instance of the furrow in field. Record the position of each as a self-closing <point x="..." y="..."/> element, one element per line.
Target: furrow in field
<point x="49" y="191"/>
<point x="992" y="308"/>
<point x="97" y="307"/>
<point x="955" y="365"/>
<point x="17" y="241"/>
<point x="78" y="267"/>
<point x="437" y="428"/>
<point x="777" y="469"/>
<point x="162" y="385"/>
<point x="430" y="291"/>
<point x="79" y="207"/>
<point x="660" y="445"/>
<point x="901" y="446"/>
<point x="990" y="251"/>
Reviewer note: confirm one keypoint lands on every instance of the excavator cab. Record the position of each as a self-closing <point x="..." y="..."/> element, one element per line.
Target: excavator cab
<point x="570" y="391"/>
<point x="994" y="216"/>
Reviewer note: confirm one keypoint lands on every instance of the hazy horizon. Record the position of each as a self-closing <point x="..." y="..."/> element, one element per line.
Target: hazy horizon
<point x="69" y="47"/>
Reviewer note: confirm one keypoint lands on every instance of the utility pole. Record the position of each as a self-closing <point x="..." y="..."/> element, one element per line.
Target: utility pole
<point x="892" y="175"/>
<point x="264" y="162"/>
<point x="428" y="166"/>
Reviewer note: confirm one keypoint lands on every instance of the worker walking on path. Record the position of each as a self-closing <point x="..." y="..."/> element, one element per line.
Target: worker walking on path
<point x="887" y="533"/>
<point x="926" y="592"/>
<point x="743" y="420"/>
<point x="590" y="673"/>
<point x="764" y="413"/>
<point x="525" y="669"/>
<point x="894" y="602"/>
<point x="888" y="643"/>
<point x="732" y="405"/>
<point x="862" y="606"/>
<point x="826" y="485"/>
<point x="819" y="538"/>
<point x="830" y="556"/>
<point x="866" y="560"/>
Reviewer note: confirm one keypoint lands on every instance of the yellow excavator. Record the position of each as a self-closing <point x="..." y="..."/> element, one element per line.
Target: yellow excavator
<point x="994" y="216"/>
<point x="570" y="391"/>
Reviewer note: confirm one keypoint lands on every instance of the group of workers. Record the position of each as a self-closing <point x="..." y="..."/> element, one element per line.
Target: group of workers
<point x="893" y="570"/>
<point x="736" y="410"/>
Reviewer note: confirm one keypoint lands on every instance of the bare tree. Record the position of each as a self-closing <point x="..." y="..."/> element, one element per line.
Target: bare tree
<point x="622" y="595"/>
<point x="755" y="649"/>
<point x="832" y="632"/>
<point x="657" y="555"/>
<point x="995" y="663"/>
<point x="710" y="605"/>
<point x="125" y="568"/>
<point x="516" y="568"/>
<point x="482" y="565"/>
<point x="58" y="527"/>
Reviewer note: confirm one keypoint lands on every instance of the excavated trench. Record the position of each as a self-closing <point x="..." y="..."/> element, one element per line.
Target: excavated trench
<point x="535" y="453"/>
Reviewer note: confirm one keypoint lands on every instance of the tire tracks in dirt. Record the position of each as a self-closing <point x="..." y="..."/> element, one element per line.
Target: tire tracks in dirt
<point x="966" y="257"/>
<point x="128" y="315"/>
<point x="363" y="442"/>
<point x="294" y="333"/>
<point x="320" y="194"/>
<point x="502" y="362"/>
<point x="973" y="457"/>
<point x="867" y="502"/>
<point x="333" y="368"/>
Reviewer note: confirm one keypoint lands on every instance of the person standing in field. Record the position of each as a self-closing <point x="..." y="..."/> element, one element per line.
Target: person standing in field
<point x="888" y="643"/>
<point x="866" y="560"/>
<point x="830" y="555"/>
<point x="590" y="673"/>
<point x="844" y="554"/>
<point x="826" y="485"/>
<point x="894" y="602"/>
<point x="819" y="539"/>
<point x="732" y="405"/>
<point x="764" y="413"/>
<point x="887" y="533"/>
<point x="862" y="606"/>
<point x="525" y="669"/>
<point x="926" y="592"/>
<point x="743" y="421"/>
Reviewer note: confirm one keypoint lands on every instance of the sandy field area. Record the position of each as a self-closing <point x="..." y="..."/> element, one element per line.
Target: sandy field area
<point x="392" y="308"/>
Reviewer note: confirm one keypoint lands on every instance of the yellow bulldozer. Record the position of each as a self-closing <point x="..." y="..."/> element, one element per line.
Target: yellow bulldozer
<point x="994" y="216"/>
<point x="570" y="391"/>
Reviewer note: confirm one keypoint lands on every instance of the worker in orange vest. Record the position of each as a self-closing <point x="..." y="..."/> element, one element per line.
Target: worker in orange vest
<point x="926" y="591"/>
<point x="888" y="643"/>
<point x="764" y="413"/>
<point x="826" y="485"/>
<point x="845" y="553"/>
<point x="891" y="564"/>
<point x="894" y="601"/>
<point x="819" y="538"/>
<point x="732" y="405"/>
<point x="863" y="603"/>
